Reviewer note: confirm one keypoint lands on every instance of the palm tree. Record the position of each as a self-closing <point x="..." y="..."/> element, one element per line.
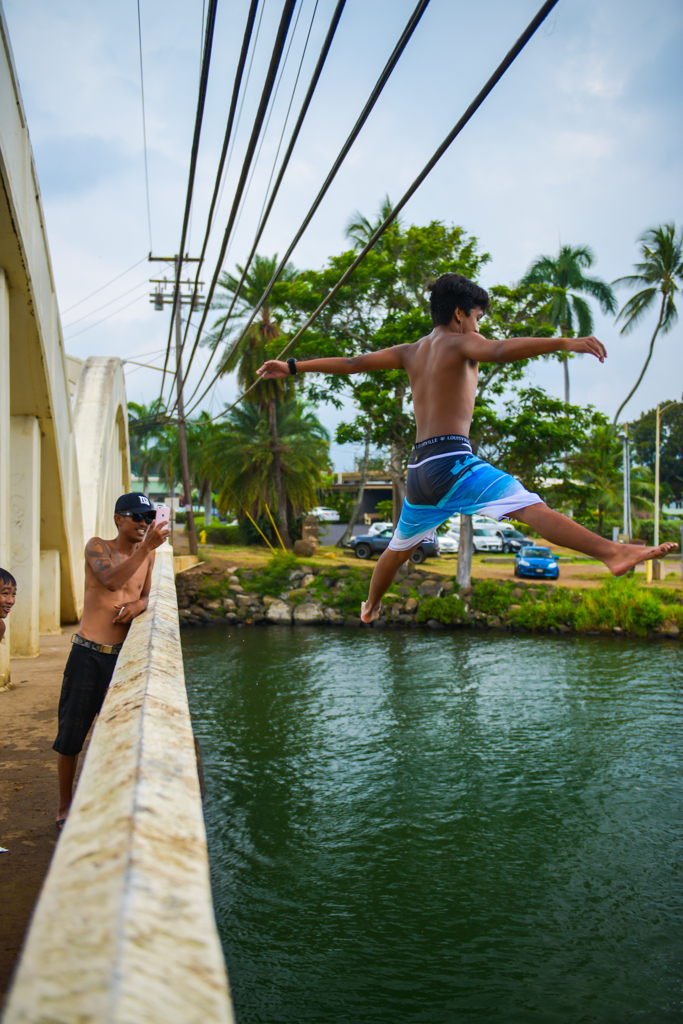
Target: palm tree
<point x="567" y="309"/>
<point x="661" y="272"/>
<point x="238" y="457"/>
<point x="359" y="229"/>
<point x="600" y="468"/>
<point x="257" y="346"/>
<point x="145" y="424"/>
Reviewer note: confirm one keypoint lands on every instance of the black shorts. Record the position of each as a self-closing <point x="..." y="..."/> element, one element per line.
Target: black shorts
<point x="86" y="678"/>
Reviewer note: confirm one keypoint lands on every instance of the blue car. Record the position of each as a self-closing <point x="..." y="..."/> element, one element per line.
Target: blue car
<point x="376" y="543"/>
<point x="533" y="561"/>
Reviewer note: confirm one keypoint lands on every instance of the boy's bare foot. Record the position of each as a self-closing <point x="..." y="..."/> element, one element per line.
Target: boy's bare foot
<point x="629" y="555"/>
<point x="368" y="614"/>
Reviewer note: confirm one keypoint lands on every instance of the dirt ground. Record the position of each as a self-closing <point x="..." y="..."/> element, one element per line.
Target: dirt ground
<point x="28" y="722"/>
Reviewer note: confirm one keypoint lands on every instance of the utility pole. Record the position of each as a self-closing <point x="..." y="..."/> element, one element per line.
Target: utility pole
<point x="161" y="299"/>
<point x="627" y="484"/>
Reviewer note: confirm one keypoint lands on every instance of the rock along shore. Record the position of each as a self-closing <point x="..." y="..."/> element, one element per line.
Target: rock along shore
<point x="288" y="592"/>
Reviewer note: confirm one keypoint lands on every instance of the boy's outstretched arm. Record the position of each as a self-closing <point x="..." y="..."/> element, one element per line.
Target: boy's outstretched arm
<point x="484" y="350"/>
<point x="385" y="359"/>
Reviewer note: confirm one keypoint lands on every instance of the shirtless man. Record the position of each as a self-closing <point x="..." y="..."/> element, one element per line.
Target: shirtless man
<point x="118" y="575"/>
<point x="444" y="477"/>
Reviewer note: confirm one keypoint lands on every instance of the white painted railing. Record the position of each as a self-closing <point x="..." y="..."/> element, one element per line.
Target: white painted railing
<point x="124" y="929"/>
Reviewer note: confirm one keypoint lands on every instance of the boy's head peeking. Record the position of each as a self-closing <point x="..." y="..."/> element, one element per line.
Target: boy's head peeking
<point x="453" y="291"/>
<point x="8" y="594"/>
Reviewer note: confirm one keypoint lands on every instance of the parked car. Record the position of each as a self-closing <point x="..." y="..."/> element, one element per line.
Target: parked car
<point x="486" y="539"/>
<point x="513" y="540"/>
<point x="378" y="527"/>
<point x="448" y="543"/>
<point x="375" y="543"/>
<point x="329" y="515"/>
<point x="535" y="561"/>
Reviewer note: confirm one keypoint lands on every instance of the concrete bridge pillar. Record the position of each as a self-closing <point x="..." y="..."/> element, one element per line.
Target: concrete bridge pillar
<point x="25" y="534"/>
<point x="4" y="458"/>
<point x="50" y="594"/>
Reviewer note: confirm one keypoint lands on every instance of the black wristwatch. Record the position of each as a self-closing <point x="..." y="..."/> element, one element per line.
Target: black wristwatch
<point x="291" y="363"/>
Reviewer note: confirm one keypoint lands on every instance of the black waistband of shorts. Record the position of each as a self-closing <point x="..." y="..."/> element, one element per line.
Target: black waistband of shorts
<point x="465" y="441"/>
<point x="438" y="447"/>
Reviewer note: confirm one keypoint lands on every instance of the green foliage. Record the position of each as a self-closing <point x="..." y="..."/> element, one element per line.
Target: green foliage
<point x="643" y="432"/>
<point x="491" y="597"/>
<point x="239" y="457"/>
<point x="353" y="591"/>
<point x="275" y="576"/>
<point x="667" y="531"/>
<point x="448" y="610"/>
<point x="620" y="602"/>
<point x="385" y="510"/>
<point x="221" y="533"/>
<point x="341" y="503"/>
<point x="553" y="609"/>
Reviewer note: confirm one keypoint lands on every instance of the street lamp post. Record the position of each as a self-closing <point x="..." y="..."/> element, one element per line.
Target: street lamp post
<point x="656" y="565"/>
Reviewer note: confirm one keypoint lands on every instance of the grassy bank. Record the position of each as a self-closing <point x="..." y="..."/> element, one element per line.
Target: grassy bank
<point x="285" y="589"/>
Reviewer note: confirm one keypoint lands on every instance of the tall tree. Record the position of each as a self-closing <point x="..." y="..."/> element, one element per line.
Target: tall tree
<point x="643" y="434"/>
<point x="661" y="272"/>
<point x="146" y="427"/>
<point x="260" y="343"/>
<point x="566" y="309"/>
<point x="238" y="457"/>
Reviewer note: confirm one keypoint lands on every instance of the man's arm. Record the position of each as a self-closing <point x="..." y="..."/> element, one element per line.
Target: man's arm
<point x="112" y="568"/>
<point x="129" y="611"/>
<point x="385" y="359"/>
<point x="483" y="350"/>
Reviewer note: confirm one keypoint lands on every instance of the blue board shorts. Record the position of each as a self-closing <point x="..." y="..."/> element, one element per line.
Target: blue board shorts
<point x="445" y="478"/>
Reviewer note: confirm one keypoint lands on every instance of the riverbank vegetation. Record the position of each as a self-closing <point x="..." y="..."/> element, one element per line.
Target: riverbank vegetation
<point x="287" y="590"/>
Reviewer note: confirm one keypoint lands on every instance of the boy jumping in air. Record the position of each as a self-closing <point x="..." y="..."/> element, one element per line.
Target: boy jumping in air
<point x="444" y="476"/>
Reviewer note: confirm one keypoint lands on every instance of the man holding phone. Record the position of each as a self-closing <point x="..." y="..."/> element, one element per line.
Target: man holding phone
<point x="118" y="576"/>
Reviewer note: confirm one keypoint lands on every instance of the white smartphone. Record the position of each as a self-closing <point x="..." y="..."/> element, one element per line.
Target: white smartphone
<point x="162" y="517"/>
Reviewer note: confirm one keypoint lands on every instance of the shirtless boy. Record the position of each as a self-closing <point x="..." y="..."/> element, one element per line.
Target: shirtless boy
<point x="8" y="596"/>
<point x="444" y="477"/>
<point x="118" y="575"/>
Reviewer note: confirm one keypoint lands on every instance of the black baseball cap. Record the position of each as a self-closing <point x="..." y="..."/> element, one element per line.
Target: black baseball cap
<point x="133" y="503"/>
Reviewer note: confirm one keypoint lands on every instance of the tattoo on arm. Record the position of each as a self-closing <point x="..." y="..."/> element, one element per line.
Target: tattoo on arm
<point x="100" y="555"/>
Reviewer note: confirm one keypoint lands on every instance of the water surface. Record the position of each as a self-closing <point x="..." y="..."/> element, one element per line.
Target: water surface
<point x="448" y="828"/>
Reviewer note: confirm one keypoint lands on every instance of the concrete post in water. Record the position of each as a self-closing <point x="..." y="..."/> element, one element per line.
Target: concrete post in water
<point x="4" y="460"/>
<point x="465" y="549"/>
<point x="50" y="603"/>
<point x="25" y="534"/>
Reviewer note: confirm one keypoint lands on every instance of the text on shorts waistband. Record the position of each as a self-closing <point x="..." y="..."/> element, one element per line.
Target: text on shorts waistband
<point x="442" y="437"/>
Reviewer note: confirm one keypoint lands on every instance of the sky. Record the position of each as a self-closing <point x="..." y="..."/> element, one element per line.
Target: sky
<point x="580" y="143"/>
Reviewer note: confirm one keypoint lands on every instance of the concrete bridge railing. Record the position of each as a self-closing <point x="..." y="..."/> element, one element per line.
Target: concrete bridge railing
<point x="124" y="929"/>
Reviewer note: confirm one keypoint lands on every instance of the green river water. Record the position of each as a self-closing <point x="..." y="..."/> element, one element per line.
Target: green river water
<point x="448" y="828"/>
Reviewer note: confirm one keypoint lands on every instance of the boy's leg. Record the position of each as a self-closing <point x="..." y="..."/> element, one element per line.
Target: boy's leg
<point x="389" y="563"/>
<point x="558" y="529"/>
<point x="66" y="772"/>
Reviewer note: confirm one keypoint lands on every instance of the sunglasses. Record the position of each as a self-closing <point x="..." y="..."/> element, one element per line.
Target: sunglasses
<point x="138" y="517"/>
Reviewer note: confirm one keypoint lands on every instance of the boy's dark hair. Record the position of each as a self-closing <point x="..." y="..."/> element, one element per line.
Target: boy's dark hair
<point x="7" y="579"/>
<point x="451" y="291"/>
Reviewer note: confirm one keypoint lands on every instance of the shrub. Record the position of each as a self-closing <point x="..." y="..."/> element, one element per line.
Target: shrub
<point x="221" y="533"/>
<point x="354" y="590"/>
<point x="667" y="531"/>
<point x="491" y="597"/>
<point x="180" y="518"/>
<point x="447" y="610"/>
<point x="554" y="609"/>
<point x="620" y="602"/>
<point x="274" y="578"/>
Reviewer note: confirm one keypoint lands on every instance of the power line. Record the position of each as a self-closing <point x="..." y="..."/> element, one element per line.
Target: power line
<point x="276" y="56"/>
<point x="102" y="287"/>
<point x="512" y="54"/>
<point x="389" y="67"/>
<point x="228" y="132"/>
<point x="203" y="83"/>
<point x="104" y="306"/>
<point x="116" y="311"/>
<point x="304" y="108"/>
<point x="144" y="130"/>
